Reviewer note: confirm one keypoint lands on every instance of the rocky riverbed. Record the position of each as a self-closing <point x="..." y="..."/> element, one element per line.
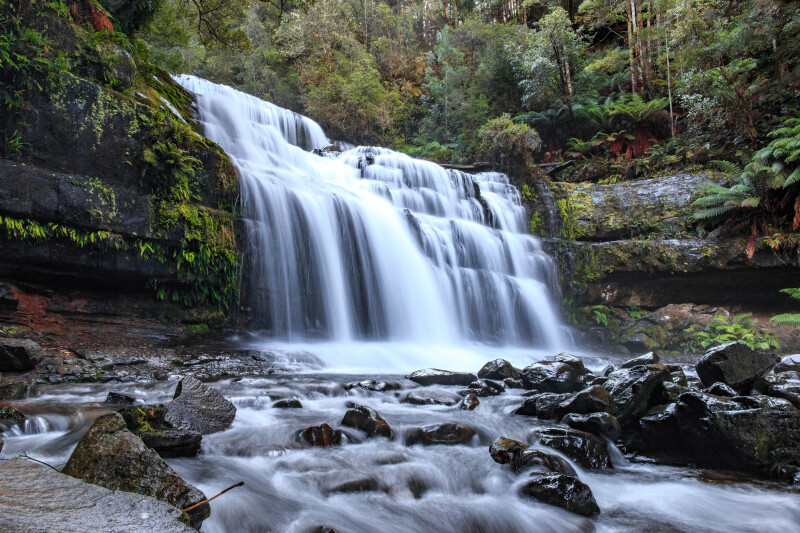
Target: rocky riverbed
<point x="562" y="444"/>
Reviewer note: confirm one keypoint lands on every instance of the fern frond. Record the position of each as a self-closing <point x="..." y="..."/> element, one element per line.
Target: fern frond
<point x="786" y="319"/>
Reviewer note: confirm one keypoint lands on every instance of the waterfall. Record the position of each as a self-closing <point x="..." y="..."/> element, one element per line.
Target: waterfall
<point x="371" y="244"/>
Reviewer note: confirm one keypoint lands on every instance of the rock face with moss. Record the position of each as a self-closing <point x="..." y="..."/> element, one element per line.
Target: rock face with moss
<point x="112" y="185"/>
<point x="634" y="246"/>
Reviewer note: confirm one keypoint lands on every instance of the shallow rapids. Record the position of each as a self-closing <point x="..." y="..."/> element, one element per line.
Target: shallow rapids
<point x="292" y="488"/>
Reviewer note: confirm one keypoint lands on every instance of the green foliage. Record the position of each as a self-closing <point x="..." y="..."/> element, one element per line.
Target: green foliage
<point x="739" y="328"/>
<point x="130" y="15"/>
<point x="600" y="314"/>
<point x="788" y="319"/>
<point x="509" y="145"/>
<point x="635" y="312"/>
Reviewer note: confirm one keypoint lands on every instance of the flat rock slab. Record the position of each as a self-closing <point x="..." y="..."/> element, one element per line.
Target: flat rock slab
<point x="199" y="408"/>
<point x="35" y="498"/>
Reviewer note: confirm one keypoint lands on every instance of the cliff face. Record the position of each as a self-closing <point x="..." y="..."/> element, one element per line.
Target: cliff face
<point x="629" y="254"/>
<point x="110" y="189"/>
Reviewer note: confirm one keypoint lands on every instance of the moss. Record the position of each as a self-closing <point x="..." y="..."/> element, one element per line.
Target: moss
<point x="197" y="329"/>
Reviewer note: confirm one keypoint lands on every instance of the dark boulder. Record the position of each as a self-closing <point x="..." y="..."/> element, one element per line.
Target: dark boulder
<point x="720" y="389"/>
<point x="19" y="355"/>
<point x="601" y="424"/>
<point x="38" y="499"/>
<point x="287" y="404"/>
<point x="584" y="448"/>
<point x="542" y="406"/>
<point x="572" y="360"/>
<point x="367" y="420"/>
<point x="790" y="363"/>
<point x="354" y="485"/>
<point x="650" y="358"/>
<point x="118" y="398"/>
<point x="590" y="400"/>
<point x="449" y="434"/>
<point x="111" y="456"/>
<point x="372" y="385"/>
<point x="734" y="364"/>
<point x="486" y="387"/>
<point x="147" y="422"/>
<point x="434" y="376"/>
<point x="10" y="417"/>
<point x="469" y="403"/>
<point x="431" y="397"/>
<point x="756" y="434"/>
<point x="199" y="408"/>
<point x="321" y="436"/>
<point x="552" y="376"/>
<point x="562" y="491"/>
<point x="785" y="385"/>
<point x="513" y="383"/>
<point x="523" y="458"/>
<point x="499" y="369"/>
<point x="634" y="390"/>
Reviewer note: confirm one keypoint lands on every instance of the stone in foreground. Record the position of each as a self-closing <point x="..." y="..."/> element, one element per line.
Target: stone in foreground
<point x="37" y="499"/>
<point x="449" y="434"/>
<point x="367" y="420"/>
<point x="562" y="491"/>
<point x="734" y="364"/>
<point x="199" y="408"/>
<point x="499" y="369"/>
<point x="435" y="376"/>
<point x="584" y="448"/>
<point x="111" y="456"/>
<point x="321" y="436"/>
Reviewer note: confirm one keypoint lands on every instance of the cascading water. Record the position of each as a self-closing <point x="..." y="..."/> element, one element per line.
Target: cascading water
<point x="374" y="244"/>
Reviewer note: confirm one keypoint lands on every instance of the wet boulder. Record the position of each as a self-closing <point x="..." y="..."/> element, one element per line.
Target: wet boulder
<point x="756" y="434"/>
<point x="635" y="390"/>
<point x="434" y="376"/>
<point x="200" y="408"/>
<point x="321" y="436"/>
<point x="671" y="391"/>
<point x="720" y="389"/>
<point x="111" y="456"/>
<point x="287" y="404"/>
<point x="552" y="376"/>
<point x="562" y="491"/>
<point x="499" y="369"/>
<point x="584" y="448"/>
<point x="542" y="406"/>
<point x="590" y="400"/>
<point x="38" y="499"/>
<point x="469" y="403"/>
<point x="449" y="434"/>
<point x="367" y="420"/>
<point x="785" y="385"/>
<point x="148" y="423"/>
<point x="734" y="364"/>
<point x="10" y="417"/>
<point x="790" y="363"/>
<point x="572" y="360"/>
<point x="485" y="387"/>
<point x="521" y="458"/>
<point x="372" y="385"/>
<point x="650" y="358"/>
<point x="19" y="355"/>
<point x="601" y="424"/>
<point x="513" y="383"/>
<point x="354" y="485"/>
<point x="678" y="375"/>
<point x="119" y="398"/>
<point x="431" y="397"/>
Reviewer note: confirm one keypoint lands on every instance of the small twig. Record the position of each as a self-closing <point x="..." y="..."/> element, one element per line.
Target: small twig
<point x="198" y="504"/>
<point x="24" y="455"/>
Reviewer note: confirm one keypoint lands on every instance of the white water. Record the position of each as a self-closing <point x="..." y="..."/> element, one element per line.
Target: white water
<point x="399" y="250"/>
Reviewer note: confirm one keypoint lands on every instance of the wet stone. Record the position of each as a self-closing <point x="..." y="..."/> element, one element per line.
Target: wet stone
<point x="542" y="406"/>
<point x="449" y="434"/>
<point x="552" y="376"/>
<point x="601" y="424"/>
<point x="435" y="376"/>
<point x="562" y="491"/>
<point x="321" y="436"/>
<point x="499" y="369"/>
<point x="367" y="420"/>
<point x="720" y="389"/>
<point x="634" y="390"/>
<point x="431" y="397"/>
<point x="486" y="387"/>
<point x="11" y="416"/>
<point x="590" y="400"/>
<point x="372" y="385"/>
<point x="650" y="358"/>
<point x="199" y="408"/>
<point x="118" y="398"/>
<point x="287" y="404"/>
<point x="469" y="403"/>
<point x="19" y="355"/>
<point x="734" y="364"/>
<point x="790" y="363"/>
<point x="584" y="448"/>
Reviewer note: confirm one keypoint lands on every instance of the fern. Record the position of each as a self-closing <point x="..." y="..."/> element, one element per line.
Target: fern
<point x="788" y="319"/>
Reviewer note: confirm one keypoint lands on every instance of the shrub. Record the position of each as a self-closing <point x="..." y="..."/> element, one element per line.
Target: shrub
<point x="508" y="145"/>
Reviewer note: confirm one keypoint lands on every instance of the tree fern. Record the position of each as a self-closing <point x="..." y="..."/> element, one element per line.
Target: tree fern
<point x="788" y="319"/>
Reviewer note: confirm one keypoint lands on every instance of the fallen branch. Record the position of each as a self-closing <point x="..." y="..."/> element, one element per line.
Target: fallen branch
<point x="198" y="504"/>
<point x="24" y="455"/>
